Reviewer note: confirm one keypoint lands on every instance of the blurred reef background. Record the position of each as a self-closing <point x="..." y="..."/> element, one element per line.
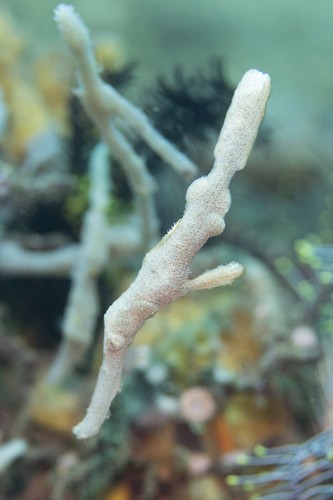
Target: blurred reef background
<point x="222" y="385"/>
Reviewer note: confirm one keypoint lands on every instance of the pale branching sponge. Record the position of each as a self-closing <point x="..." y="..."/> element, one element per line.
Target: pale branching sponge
<point x="165" y="274"/>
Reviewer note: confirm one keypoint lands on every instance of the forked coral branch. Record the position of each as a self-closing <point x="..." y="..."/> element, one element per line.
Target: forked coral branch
<point x="166" y="269"/>
<point x="103" y="104"/>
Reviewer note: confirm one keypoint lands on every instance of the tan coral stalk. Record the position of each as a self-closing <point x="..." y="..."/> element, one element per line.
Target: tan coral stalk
<point x="165" y="271"/>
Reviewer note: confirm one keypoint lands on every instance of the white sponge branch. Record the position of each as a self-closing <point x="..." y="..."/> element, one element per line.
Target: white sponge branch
<point x="103" y="104"/>
<point x="82" y="307"/>
<point x="166" y="269"/>
<point x="220" y="276"/>
<point x="104" y="100"/>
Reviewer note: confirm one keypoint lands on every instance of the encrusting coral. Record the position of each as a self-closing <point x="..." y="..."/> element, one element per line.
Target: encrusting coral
<point x="166" y="269"/>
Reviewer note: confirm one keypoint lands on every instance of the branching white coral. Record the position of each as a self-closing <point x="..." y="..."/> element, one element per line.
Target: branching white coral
<point x="103" y="103"/>
<point x="166" y="269"/>
<point x="123" y="241"/>
<point x="82" y="307"/>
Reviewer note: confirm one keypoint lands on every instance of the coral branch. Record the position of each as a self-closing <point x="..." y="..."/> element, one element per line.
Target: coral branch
<point x="103" y="103"/>
<point x="165" y="272"/>
<point x="82" y="307"/>
<point x="123" y="241"/>
<point x="220" y="276"/>
<point x="103" y="100"/>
